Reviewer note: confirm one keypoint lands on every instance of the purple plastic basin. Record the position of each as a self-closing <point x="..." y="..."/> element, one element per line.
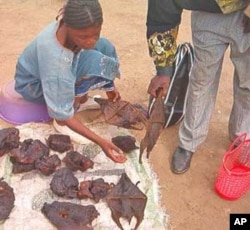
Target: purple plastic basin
<point x="14" y="109"/>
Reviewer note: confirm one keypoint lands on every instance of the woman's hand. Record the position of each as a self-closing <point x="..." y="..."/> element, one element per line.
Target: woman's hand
<point x="113" y="95"/>
<point x="110" y="149"/>
<point x="113" y="152"/>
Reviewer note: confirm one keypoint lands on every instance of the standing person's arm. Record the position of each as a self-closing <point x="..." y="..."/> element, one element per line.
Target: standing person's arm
<point x="163" y="19"/>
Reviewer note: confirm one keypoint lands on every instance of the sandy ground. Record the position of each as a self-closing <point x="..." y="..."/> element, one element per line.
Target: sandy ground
<point x="189" y="199"/>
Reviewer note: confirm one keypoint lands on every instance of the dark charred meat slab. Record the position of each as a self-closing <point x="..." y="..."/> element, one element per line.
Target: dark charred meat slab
<point x="122" y="114"/>
<point x="48" y="164"/>
<point x="76" y="161"/>
<point x="64" y="183"/>
<point x="95" y="189"/>
<point x="9" y="139"/>
<point x="99" y="188"/>
<point x="59" y="142"/>
<point x="7" y="199"/>
<point x="18" y="167"/>
<point x="69" y="216"/>
<point x="24" y="157"/>
<point x="84" y="190"/>
<point x="126" y="200"/>
<point x="126" y="143"/>
<point x="154" y="127"/>
<point x="29" y="151"/>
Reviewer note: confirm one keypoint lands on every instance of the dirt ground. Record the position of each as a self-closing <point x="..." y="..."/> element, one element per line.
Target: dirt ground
<point x="189" y="199"/>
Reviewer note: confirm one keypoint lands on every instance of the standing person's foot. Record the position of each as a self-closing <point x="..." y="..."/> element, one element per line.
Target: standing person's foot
<point x="181" y="160"/>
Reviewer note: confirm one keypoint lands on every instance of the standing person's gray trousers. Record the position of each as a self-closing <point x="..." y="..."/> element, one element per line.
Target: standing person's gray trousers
<point x="212" y="35"/>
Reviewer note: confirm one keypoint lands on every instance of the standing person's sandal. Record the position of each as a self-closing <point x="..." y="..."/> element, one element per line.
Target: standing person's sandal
<point x="181" y="160"/>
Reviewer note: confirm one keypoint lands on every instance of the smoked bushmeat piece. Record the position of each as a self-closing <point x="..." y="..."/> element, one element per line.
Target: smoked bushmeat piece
<point x="18" y="167"/>
<point x="126" y="143"/>
<point x="7" y="199"/>
<point x="154" y="127"/>
<point x="95" y="189"/>
<point x="122" y="114"/>
<point x="126" y="200"/>
<point x="64" y="183"/>
<point x="76" y="161"/>
<point x="59" y="142"/>
<point x="9" y="139"/>
<point x="84" y="190"/>
<point x="69" y="216"/>
<point x="99" y="188"/>
<point x="24" y="157"/>
<point x="29" y="151"/>
<point x="47" y="165"/>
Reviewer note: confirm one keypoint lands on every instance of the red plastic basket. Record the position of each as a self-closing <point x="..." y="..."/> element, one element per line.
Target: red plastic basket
<point x="233" y="179"/>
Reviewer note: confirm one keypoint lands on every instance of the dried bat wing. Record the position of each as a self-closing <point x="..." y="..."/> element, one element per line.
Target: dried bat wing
<point x="122" y="114"/>
<point x="126" y="200"/>
<point x="66" y="215"/>
<point x="154" y="127"/>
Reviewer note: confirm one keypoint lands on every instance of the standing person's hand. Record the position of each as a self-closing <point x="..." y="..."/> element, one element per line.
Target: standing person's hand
<point x="158" y="82"/>
<point x="113" y="152"/>
<point x="113" y="95"/>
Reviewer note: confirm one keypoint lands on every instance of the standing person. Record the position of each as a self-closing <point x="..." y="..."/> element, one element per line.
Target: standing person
<point x="216" y="25"/>
<point x="64" y="62"/>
